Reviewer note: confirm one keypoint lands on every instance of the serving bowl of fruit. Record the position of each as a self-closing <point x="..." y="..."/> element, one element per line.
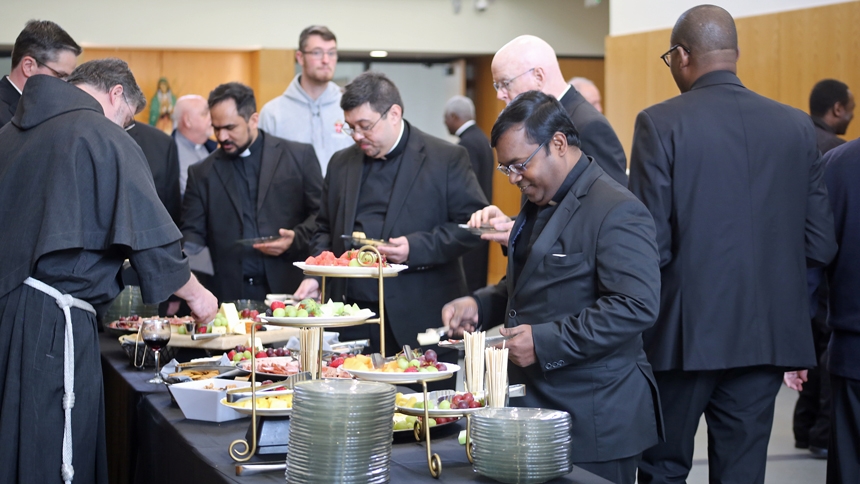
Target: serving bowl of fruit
<point x="402" y="368"/>
<point x="442" y="403"/>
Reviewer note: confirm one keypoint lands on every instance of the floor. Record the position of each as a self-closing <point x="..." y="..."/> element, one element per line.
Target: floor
<point x="785" y="464"/>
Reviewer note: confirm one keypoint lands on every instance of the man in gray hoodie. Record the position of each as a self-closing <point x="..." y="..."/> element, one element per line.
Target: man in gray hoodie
<point x="309" y="110"/>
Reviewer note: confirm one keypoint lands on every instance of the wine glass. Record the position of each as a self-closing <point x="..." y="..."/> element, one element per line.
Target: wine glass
<point x="156" y="334"/>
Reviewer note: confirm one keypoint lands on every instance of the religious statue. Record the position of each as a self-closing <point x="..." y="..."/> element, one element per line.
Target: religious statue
<point x="161" y="107"/>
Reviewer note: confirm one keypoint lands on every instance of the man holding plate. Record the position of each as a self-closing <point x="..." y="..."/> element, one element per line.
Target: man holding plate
<point x="582" y="284"/>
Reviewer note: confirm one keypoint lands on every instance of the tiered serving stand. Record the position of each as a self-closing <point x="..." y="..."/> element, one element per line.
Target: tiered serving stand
<point x="242" y="450"/>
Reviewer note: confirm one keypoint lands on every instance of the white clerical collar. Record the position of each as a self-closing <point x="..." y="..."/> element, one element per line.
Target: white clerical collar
<point x="402" y="127"/>
<point x="564" y="92"/>
<point x="13" y="85"/>
<point x="245" y="153"/>
<point x="464" y="127"/>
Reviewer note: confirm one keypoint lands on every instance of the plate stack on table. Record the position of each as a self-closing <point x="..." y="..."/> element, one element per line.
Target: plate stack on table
<point x="522" y="445"/>
<point x="340" y="431"/>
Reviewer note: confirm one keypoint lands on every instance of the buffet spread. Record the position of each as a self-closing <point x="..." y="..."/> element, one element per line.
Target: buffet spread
<point x="323" y="402"/>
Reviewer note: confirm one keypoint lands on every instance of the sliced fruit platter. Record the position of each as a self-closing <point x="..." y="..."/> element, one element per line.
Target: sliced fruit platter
<point x="416" y="367"/>
<point x="351" y="262"/>
<point x="406" y="423"/>
<point x="311" y="312"/>
<point x="280" y="366"/>
<point x="274" y="402"/>
<point x="442" y="403"/>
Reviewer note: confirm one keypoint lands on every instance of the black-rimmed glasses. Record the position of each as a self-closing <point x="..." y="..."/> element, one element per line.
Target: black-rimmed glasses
<point x="665" y="56"/>
<point x="349" y="130"/>
<point x="498" y="86"/>
<point x="57" y="74"/>
<point x="518" y="168"/>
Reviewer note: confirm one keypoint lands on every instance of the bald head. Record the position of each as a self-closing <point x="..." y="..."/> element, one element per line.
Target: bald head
<point x="709" y="31"/>
<point x="191" y="118"/>
<point x="527" y="63"/>
<point x="708" y="42"/>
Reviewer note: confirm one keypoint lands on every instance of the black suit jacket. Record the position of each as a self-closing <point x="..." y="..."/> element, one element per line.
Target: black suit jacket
<point x="475" y="262"/>
<point x="735" y="184"/>
<point x="589" y="288"/>
<point x="163" y="159"/>
<point x="288" y="197"/>
<point x="435" y="190"/>
<point x="596" y="135"/>
<point x="8" y="100"/>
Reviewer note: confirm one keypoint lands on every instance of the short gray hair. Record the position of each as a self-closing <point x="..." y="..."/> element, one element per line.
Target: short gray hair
<point x="460" y="106"/>
<point x="104" y="74"/>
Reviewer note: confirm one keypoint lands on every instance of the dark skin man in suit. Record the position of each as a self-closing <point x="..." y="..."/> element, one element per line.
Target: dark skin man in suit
<point x="735" y="184"/>
<point x="582" y="285"/>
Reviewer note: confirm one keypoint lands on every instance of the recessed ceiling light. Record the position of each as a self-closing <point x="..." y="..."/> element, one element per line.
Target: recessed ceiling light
<point x="379" y="53"/>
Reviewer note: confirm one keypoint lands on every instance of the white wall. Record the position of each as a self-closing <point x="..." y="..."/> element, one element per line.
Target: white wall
<point x="394" y="25"/>
<point x="632" y="16"/>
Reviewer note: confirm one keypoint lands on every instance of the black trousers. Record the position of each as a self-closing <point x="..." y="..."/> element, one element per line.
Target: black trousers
<point x="843" y="459"/>
<point x="619" y="471"/>
<point x="738" y="406"/>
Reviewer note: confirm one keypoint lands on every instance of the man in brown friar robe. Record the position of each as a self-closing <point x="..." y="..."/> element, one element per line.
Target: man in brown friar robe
<point x="76" y="200"/>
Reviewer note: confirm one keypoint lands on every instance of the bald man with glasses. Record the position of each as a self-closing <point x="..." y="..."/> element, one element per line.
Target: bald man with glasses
<point x="43" y="47"/>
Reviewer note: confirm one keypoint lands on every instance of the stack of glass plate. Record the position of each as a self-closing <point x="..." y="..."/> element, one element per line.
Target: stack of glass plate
<point x="521" y="445"/>
<point x="340" y="431"/>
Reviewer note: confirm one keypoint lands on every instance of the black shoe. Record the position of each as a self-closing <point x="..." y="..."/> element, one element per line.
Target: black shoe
<point x="818" y="452"/>
<point x="801" y="444"/>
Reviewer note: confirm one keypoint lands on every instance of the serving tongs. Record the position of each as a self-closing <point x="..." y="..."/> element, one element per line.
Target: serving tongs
<point x="236" y="394"/>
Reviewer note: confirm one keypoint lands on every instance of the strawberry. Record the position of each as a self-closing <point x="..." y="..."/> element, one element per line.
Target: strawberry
<point x="261" y="354"/>
<point x="277" y="305"/>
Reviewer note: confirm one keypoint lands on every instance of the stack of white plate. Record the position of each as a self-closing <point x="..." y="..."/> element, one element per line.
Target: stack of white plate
<point x="521" y="445"/>
<point x="340" y="431"/>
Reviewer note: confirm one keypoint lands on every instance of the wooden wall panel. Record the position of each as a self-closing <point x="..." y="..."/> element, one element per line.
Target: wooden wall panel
<point x="592" y="69"/>
<point x="782" y="56"/>
<point x="272" y="71"/>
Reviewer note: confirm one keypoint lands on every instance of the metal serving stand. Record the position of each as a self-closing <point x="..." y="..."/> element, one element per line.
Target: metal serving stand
<point x="241" y="450"/>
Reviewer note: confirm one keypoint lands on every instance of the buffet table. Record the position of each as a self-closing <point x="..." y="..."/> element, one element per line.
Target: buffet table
<point x="175" y="450"/>
<point x="149" y="439"/>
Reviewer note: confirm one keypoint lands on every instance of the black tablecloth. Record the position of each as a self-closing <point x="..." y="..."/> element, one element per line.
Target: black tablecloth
<point x="176" y="450"/>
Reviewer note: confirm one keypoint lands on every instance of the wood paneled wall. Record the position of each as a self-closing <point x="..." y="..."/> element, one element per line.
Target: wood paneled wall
<point x="487" y="109"/>
<point x="268" y="72"/>
<point x="782" y="56"/>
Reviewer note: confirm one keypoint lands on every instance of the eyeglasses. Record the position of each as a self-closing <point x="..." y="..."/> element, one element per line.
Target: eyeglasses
<point x="518" y="168"/>
<point x="498" y="86"/>
<point x="665" y="56"/>
<point x="349" y="130"/>
<point x="130" y="123"/>
<point x="318" y="54"/>
<point x="58" y="75"/>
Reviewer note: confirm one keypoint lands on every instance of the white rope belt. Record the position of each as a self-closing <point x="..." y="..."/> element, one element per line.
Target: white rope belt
<point x="66" y="302"/>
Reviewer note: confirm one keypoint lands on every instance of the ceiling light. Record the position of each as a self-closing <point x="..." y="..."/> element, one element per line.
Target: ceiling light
<point x="379" y="53"/>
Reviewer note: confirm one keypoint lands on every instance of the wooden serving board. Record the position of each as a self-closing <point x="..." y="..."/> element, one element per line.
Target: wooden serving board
<point x="229" y="341"/>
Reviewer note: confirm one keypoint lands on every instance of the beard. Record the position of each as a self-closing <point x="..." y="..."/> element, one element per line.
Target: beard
<point x="238" y="149"/>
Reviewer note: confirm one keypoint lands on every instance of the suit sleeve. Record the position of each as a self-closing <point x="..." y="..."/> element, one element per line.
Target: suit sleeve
<point x="194" y="221"/>
<point x="492" y="302"/>
<point x="651" y="181"/>
<point x="173" y="197"/>
<point x="600" y="142"/>
<point x="312" y="182"/>
<point x="447" y="241"/>
<point x="821" y="244"/>
<point x="628" y="282"/>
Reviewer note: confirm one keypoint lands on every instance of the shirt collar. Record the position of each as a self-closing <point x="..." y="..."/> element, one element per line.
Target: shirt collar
<point x="13" y="85"/>
<point x="574" y="174"/>
<point x="564" y="92"/>
<point x="468" y="124"/>
<point x="254" y="146"/>
<point x="402" y="127"/>
<point x="187" y="142"/>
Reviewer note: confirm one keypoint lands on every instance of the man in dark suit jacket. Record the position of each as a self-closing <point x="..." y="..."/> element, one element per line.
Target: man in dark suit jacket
<point x="734" y="182"/>
<point x="460" y="121"/>
<point x="529" y="63"/>
<point x="255" y="185"/>
<point x="408" y="188"/>
<point x="163" y="159"/>
<point x="831" y="107"/>
<point x="43" y="47"/>
<point x="582" y="284"/>
<point x="842" y="176"/>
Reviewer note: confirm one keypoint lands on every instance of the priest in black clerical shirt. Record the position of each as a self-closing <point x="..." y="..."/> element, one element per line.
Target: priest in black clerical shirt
<point x="583" y="283"/>
<point x="406" y="187"/>
<point x="254" y="185"/>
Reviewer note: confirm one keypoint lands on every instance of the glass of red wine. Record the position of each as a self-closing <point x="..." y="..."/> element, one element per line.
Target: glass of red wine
<point x="156" y="334"/>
